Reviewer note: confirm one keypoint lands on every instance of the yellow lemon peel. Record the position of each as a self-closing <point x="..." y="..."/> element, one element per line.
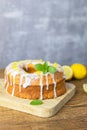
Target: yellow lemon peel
<point x="79" y="70"/>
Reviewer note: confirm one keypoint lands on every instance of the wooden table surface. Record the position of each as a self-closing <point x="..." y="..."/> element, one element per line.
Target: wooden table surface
<point x="73" y="116"/>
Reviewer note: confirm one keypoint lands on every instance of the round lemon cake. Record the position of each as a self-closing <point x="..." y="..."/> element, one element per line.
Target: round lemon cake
<point x="35" y="79"/>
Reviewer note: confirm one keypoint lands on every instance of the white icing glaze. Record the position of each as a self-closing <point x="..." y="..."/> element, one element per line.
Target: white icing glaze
<point x="27" y="82"/>
<point x="54" y="82"/>
<point x="21" y="80"/>
<point x="41" y="87"/>
<point x="13" y="89"/>
<point x="14" y="75"/>
<point x="11" y="80"/>
<point x="47" y="85"/>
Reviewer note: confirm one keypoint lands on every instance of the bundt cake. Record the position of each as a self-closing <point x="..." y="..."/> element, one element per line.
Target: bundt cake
<point x="35" y="79"/>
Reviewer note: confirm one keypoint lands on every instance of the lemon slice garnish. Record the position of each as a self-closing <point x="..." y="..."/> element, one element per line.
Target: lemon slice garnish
<point x="68" y="72"/>
<point x="85" y="87"/>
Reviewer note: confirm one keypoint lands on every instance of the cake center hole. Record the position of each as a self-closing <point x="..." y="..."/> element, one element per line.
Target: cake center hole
<point x="30" y="68"/>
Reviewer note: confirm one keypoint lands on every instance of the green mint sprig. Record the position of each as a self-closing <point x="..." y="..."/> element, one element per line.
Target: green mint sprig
<point x="36" y="102"/>
<point x="45" y="68"/>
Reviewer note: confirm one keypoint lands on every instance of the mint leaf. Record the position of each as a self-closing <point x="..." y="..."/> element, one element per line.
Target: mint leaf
<point x="36" y="102"/>
<point x="39" y="67"/>
<point x="51" y="69"/>
<point x="44" y="71"/>
<point x="45" y="66"/>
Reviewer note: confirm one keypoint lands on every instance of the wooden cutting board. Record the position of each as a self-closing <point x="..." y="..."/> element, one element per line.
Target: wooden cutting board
<point x="49" y="107"/>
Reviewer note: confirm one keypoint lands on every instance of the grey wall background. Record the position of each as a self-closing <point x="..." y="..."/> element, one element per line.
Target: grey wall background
<point x="54" y="30"/>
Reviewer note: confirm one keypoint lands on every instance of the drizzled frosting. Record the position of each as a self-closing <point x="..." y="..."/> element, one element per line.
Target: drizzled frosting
<point x="17" y="68"/>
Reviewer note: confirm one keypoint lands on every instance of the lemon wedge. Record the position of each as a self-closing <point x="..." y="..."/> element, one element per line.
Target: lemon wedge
<point x="79" y="70"/>
<point x="85" y="87"/>
<point x="68" y="72"/>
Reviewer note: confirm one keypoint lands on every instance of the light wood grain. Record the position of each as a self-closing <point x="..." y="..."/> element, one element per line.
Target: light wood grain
<point x="49" y="107"/>
<point x="73" y="116"/>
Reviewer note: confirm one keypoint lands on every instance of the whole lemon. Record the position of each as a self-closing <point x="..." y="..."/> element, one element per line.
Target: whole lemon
<point x="79" y="70"/>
